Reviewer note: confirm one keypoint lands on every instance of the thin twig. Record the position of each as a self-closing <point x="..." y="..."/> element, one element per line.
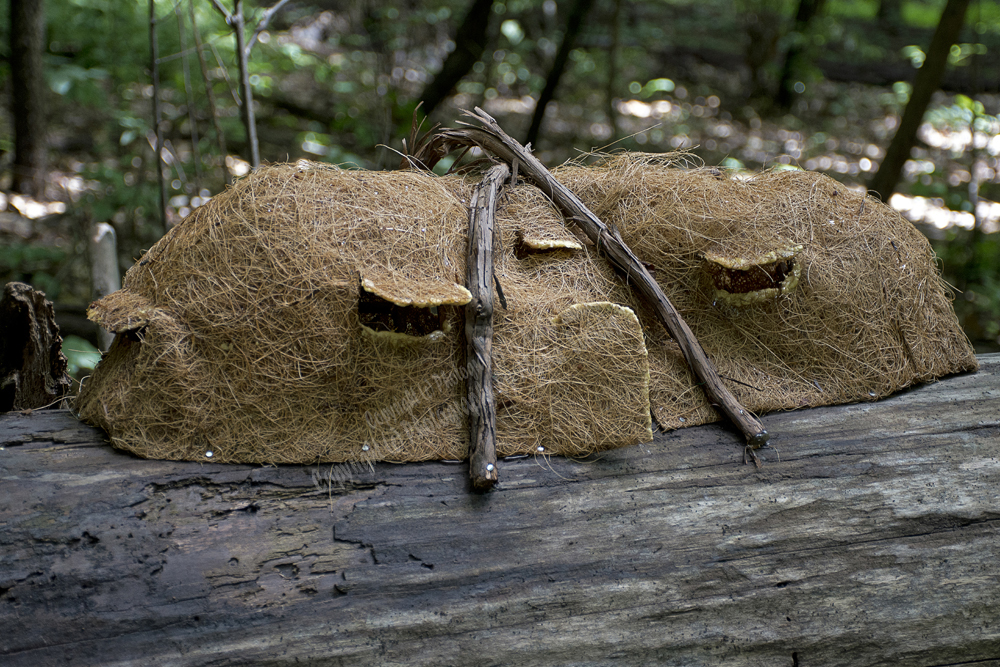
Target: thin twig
<point x="209" y="93"/>
<point x="235" y="21"/>
<point x="265" y="19"/>
<point x="246" y="93"/>
<point x="189" y="98"/>
<point x="222" y="10"/>
<point x="225" y="74"/>
<point x="173" y="158"/>
<point x="155" y="74"/>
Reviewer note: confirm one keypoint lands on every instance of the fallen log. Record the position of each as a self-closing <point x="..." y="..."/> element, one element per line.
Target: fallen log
<point x="869" y="538"/>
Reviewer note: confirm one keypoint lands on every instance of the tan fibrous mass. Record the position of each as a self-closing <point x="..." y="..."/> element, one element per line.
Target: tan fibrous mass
<point x="311" y="313"/>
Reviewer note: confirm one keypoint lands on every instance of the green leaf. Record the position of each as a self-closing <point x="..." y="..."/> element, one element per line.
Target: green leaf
<point x="82" y="357"/>
<point x="658" y="85"/>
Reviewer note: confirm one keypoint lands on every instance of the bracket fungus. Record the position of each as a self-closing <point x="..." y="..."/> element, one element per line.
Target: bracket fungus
<point x="739" y="281"/>
<point x="406" y="310"/>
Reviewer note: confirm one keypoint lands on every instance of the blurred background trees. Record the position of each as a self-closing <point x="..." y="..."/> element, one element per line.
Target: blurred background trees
<point x="749" y="85"/>
<point x="27" y="87"/>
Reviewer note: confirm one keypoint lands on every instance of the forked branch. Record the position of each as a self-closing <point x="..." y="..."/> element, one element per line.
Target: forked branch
<point x="491" y="138"/>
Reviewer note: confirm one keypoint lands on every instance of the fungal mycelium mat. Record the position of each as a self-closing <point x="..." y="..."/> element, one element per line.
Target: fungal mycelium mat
<point x="312" y="313"/>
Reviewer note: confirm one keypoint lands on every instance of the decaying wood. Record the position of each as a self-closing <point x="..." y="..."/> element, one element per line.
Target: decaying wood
<point x="479" y="331"/>
<point x="32" y="365"/>
<point x="871" y="540"/>
<point x="493" y="139"/>
<point x="104" y="273"/>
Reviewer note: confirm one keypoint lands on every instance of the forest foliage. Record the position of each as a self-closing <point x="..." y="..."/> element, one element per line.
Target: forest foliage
<point x="341" y="81"/>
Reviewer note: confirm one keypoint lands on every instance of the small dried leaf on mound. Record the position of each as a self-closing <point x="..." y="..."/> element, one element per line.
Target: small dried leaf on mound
<point x="536" y="223"/>
<point x="535" y="241"/>
<point x="406" y="309"/>
<point x="742" y="262"/>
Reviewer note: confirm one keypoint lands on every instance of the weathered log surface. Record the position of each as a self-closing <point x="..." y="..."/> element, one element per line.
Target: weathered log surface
<point x="873" y="541"/>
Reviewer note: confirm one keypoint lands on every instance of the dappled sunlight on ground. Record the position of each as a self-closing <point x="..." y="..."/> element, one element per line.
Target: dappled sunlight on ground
<point x="932" y="211"/>
<point x="853" y="157"/>
<point x="960" y="140"/>
<point x="31" y="208"/>
<point x="505" y="105"/>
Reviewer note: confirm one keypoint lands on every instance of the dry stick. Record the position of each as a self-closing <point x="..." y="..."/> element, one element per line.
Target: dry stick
<point x="479" y="331"/>
<point x="493" y="139"/>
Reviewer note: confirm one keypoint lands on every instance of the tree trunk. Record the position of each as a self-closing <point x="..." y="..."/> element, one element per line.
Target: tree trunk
<point x="612" y="81"/>
<point x="32" y="365"/>
<point x="872" y="541"/>
<point x="760" y="28"/>
<point x="796" y="55"/>
<point x="470" y="40"/>
<point x="573" y="24"/>
<point x="27" y="43"/>
<point x="928" y="79"/>
<point x="890" y="15"/>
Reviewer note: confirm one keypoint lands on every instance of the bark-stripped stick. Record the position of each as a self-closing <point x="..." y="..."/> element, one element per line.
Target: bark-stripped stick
<point x="479" y="331"/>
<point x="493" y="139"/>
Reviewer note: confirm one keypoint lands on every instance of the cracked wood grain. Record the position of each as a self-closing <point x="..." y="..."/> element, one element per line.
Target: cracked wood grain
<point x="872" y="541"/>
